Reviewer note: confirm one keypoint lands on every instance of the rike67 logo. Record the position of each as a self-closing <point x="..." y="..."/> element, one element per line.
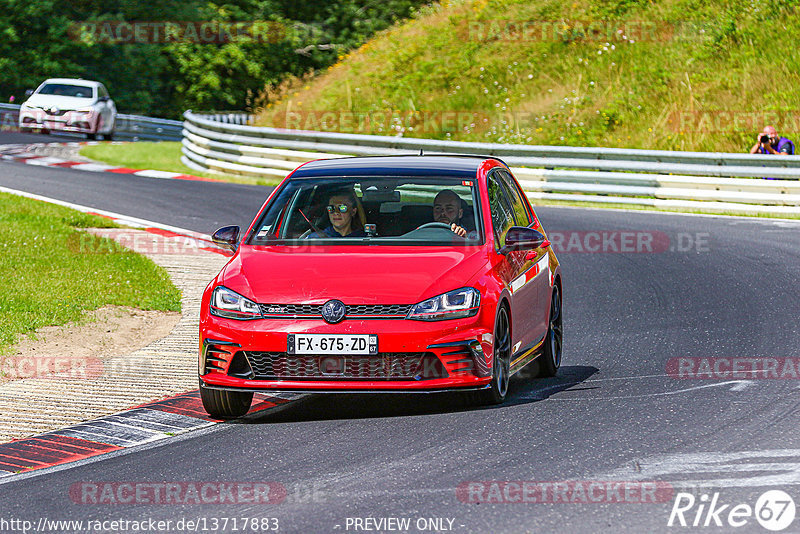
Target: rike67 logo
<point x="774" y="510"/>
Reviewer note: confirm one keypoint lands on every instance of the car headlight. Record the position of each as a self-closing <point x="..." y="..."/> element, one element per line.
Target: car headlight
<point x="230" y="304"/>
<point x="454" y="304"/>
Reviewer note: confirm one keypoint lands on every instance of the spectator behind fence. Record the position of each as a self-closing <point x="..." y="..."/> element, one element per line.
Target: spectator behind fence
<point x="769" y="143"/>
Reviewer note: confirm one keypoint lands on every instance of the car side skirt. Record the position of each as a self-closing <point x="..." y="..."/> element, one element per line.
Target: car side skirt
<point x="526" y="356"/>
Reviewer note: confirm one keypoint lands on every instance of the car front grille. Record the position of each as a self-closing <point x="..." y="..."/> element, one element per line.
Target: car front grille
<point x="314" y="311"/>
<point x="382" y="366"/>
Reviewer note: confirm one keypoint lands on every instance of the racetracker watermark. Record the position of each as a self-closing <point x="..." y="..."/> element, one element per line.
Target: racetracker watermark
<point x="199" y="32"/>
<point x="391" y="122"/>
<point x="121" y="241"/>
<point x="628" y="242"/>
<point x="16" y="367"/>
<point x="72" y="367"/>
<point x="240" y="523"/>
<point x="728" y="121"/>
<point x="774" y="510"/>
<point x="726" y="368"/>
<point x="177" y="493"/>
<point x="611" y="31"/>
<point x="565" y="492"/>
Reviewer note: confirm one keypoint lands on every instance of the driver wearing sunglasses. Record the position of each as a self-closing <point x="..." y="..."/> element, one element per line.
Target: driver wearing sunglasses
<point x="345" y="218"/>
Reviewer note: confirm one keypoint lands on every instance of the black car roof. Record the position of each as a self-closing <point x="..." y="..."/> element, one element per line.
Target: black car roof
<point x="462" y="166"/>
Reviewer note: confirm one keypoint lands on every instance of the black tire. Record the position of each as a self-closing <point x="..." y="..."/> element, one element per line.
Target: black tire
<point x="109" y="136"/>
<point x="44" y="131"/>
<point x="225" y="404"/>
<point x="554" y="340"/>
<point x="91" y="136"/>
<point x="501" y="362"/>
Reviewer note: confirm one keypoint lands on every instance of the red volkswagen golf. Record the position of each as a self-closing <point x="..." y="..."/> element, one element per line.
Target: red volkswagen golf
<point x="383" y="274"/>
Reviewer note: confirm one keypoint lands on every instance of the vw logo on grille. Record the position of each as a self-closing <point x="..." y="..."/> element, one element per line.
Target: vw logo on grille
<point x="54" y="110"/>
<point x="333" y="311"/>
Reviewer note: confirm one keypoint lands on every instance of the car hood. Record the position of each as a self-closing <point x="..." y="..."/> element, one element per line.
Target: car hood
<point x="354" y="275"/>
<point x="59" y="101"/>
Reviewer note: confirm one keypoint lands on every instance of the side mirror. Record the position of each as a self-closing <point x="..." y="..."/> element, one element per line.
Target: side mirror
<point x="103" y="99"/>
<point x="227" y="236"/>
<point x="522" y="238"/>
<point x="28" y="92"/>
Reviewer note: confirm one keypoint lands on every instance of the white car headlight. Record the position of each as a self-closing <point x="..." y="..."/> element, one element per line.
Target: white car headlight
<point x="454" y="304"/>
<point x="230" y="304"/>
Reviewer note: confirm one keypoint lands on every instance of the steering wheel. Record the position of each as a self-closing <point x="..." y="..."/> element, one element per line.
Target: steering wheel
<point x="433" y="225"/>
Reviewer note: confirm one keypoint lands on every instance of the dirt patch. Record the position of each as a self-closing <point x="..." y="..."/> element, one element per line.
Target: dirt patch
<point x="79" y="349"/>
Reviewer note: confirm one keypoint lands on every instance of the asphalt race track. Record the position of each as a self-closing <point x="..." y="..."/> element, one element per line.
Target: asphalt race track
<point x="190" y="205"/>
<point x="57" y="137"/>
<point x="704" y="289"/>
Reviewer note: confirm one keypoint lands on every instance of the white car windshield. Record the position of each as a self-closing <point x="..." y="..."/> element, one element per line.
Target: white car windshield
<point x="380" y="210"/>
<point x="62" y="89"/>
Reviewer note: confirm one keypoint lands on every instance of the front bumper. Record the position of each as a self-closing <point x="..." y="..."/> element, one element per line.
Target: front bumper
<point x="69" y="121"/>
<point x="453" y="354"/>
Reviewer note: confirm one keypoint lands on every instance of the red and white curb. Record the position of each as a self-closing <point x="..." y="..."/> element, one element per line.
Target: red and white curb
<point x="23" y="154"/>
<point x="143" y="424"/>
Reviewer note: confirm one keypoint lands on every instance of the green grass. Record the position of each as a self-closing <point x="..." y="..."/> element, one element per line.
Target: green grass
<point x="159" y="156"/>
<point x="724" y="64"/>
<point x="50" y="272"/>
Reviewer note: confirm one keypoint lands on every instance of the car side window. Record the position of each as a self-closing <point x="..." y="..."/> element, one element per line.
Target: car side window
<point x="521" y="214"/>
<point x="501" y="210"/>
<point x="102" y="91"/>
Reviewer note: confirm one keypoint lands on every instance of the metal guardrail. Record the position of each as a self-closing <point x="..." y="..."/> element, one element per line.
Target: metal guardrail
<point x="140" y="128"/>
<point x="229" y="117"/>
<point x="695" y="180"/>
<point x="127" y="128"/>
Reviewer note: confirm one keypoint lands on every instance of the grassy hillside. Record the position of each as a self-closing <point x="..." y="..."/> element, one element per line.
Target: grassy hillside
<point x="675" y="74"/>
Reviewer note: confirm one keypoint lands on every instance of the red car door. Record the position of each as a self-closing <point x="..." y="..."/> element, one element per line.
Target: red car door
<point x="538" y="271"/>
<point x="513" y="268"/>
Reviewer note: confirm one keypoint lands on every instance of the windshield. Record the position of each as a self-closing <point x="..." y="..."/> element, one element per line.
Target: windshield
<point x="378" y="210"/>
<point x="63" y="89"/>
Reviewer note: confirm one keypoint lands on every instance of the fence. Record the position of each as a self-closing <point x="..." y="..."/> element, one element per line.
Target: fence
<point x="229" y="117"/>
<point x="127" y="128"/>
<point x="710" y="181"/>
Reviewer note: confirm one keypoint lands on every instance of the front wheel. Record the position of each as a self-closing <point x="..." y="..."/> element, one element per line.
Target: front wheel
<point x="553" y="341"/>
<point x="222" y="404"/>
<point x="501" y="366"/>
<point x="91" y="136"/>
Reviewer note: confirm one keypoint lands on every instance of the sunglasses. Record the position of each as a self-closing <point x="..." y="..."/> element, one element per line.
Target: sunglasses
<point x="341" y="208"/>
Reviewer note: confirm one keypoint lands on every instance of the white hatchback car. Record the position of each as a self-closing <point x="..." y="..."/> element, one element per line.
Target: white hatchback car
<point x="69" y="105"/>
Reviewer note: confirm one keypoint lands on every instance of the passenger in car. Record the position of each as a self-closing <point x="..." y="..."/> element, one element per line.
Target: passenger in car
<point x="447" y="209"/>
<point x="345" y="215"/>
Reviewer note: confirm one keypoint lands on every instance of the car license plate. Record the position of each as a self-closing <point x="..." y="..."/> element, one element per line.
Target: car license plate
<point x="332" y="344"/>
